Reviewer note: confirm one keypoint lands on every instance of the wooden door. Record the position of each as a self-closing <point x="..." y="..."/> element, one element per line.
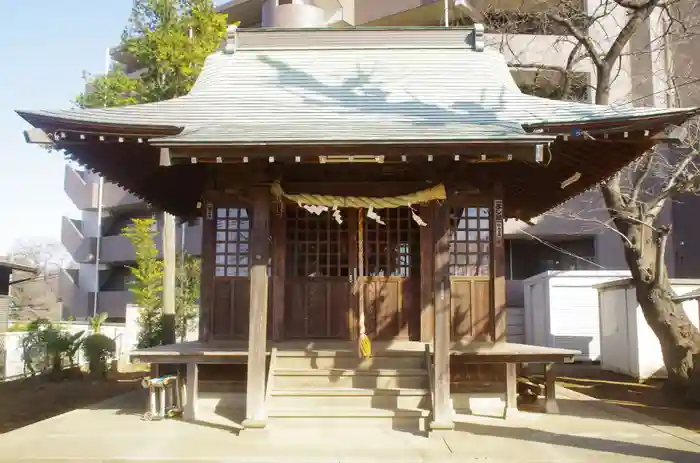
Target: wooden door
<point x="231" y="281"/>
<point x="470" y="282"/>
<point x="318" y="286"/>
<point x="392" y="276"/>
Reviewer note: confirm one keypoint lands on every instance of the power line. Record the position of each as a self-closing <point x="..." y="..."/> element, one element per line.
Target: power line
<point x="562" y="250"/>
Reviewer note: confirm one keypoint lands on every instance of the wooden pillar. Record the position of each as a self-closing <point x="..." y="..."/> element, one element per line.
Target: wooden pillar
<point x="191" y="393"/>
<point x="427" y="263"/>
<point x="256" y="412"/>
<point x="279" y="248"/>
<point x="443" y="417"/>
<point x="206" y="284"/>
<point x="511" y="390"/>
<point x="169" y="261"/>
<point x="550" y="384"/>
<point x="497" y="315"/>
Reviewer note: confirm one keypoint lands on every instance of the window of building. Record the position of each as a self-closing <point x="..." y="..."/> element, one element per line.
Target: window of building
<point x="528" y="257"/>
<point x="470" y="241"/>
<point x="232" y="242"/>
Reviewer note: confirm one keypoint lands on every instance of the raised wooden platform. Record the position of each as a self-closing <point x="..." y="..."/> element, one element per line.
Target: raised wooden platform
<point x="237" y="351"/>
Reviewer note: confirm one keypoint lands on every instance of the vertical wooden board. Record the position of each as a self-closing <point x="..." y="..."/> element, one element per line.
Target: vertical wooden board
<point x="372" y="299"/>
<point x="270" y="306"/>
<point x="498" y="326"/>
<point x="461" y="309"/>
<point x="221" y="316"/>
<point x="207" y="276"/>
<point x="481" y="309"/>
<point x="241" y="304"/>
<point x="278" y="224"/>
<point x="411" y="307"/>
<point x="295" y="309"/>
<point x="388" y="313"/>
<point x="340" y="293"/>
<point x="427" y="262"/>
<point x="317" y="310"/>
<point x="352" y="267"/>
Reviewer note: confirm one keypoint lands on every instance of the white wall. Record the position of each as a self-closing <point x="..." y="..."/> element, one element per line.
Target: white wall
<point x="561" y="310"/>
<point x="628" y="345"/>
<point x="11" y="343"/>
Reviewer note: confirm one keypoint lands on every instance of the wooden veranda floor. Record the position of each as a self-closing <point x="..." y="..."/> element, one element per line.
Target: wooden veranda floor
<point x="237" y="351"/>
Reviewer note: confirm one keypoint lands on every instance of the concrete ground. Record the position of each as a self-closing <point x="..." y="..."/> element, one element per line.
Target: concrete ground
<point x="586" y="430"/>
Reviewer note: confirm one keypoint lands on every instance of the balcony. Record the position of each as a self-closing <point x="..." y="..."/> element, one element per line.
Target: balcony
<point x="82" y="192"/>
<point x="114" y="197"/>
<point x="116" y="249"/>
<point x="72" y="238"/>
<point x="75" y="301"/>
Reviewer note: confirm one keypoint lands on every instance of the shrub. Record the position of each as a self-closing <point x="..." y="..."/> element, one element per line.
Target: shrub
<point x="99" y="350"/>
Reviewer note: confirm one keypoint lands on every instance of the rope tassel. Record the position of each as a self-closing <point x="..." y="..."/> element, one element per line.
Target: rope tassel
<point x="365" y="347"/>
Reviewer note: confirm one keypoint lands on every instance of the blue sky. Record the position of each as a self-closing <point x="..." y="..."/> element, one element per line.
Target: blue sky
<point x="45" y="45"/>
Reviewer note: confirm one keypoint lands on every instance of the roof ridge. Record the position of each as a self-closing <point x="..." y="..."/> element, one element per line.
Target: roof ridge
<point x="468" y="38"/>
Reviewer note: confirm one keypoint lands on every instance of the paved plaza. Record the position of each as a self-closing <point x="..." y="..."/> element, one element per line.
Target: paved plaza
<point x="586" y="430"/>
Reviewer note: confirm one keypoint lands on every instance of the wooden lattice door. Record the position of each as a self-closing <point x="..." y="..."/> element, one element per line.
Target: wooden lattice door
<point x="231" y="279"/>
<point x="320" y="258"/>
<point x="391" y="283"/>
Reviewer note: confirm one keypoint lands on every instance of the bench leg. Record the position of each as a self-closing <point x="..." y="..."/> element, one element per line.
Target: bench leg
<point x="550" y="401"/>
<point x="511" y="389"/>
<point x="190" y="409"/>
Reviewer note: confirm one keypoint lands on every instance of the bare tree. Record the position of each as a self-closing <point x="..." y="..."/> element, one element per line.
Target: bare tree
<point x="37" y="296"/>
<point x="634" y="197"/>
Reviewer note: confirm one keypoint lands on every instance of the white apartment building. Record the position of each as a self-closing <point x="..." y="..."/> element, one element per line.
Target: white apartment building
<point x="642" y="79"/>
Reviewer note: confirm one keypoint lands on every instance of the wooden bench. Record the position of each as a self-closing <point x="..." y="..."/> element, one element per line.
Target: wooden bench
<point x="511" y="355"/>
<point x="191" y="355"/>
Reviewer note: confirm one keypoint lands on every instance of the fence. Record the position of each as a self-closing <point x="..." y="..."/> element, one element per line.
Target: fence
<point x="12" y="365"/>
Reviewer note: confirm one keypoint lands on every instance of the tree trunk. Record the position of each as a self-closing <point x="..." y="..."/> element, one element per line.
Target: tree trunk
<point x="677" y="335"/>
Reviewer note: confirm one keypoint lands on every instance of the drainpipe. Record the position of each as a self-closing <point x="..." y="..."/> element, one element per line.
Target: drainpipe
<point x="98" y="242"/>
<point x="447" y="13"/>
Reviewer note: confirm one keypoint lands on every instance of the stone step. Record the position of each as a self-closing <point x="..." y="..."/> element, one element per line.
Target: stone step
<point x="336" y="418"/>
<point x="329" y="361"/>
<point x="345" y="379"/>
<point x="358" y="399"/>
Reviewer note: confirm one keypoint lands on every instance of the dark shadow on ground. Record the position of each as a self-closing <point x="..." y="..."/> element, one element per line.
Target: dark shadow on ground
<point x="647" y="398"/>
<point x="589" y="443"/>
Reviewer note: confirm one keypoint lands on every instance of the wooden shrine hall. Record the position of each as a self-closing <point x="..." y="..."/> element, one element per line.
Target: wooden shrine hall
<point x="354" y="182"/>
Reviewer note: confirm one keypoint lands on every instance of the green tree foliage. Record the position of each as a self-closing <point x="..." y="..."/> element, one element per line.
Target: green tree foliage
<point x="147" y="285"/>
<point x="187" y="287"/>
<point x="168" y="40"/>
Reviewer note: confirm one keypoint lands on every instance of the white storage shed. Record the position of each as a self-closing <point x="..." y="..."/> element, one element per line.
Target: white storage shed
<point x="561" y="309"/>
<point x="628" y="345"/>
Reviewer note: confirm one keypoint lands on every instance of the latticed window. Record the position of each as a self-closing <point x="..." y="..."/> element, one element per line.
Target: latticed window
<point x="392" y="248"/>
<point x="317" y="245"/>
<point x="232" y="242"/>
<point x="470" y="233"/>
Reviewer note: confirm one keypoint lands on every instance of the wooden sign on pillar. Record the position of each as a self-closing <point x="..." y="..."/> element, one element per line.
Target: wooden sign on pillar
<point x="498" y="269"/>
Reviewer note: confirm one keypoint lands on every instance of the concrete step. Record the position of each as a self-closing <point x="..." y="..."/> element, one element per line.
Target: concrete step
<point x="293" y="378"/>
<point x="330" y="360"/>
<point x="336" y="418"/>
<point x="352" y="399"/>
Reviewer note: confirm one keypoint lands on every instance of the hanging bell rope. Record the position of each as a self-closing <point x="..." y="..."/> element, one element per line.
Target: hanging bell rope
<point x="365" y="347"/>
